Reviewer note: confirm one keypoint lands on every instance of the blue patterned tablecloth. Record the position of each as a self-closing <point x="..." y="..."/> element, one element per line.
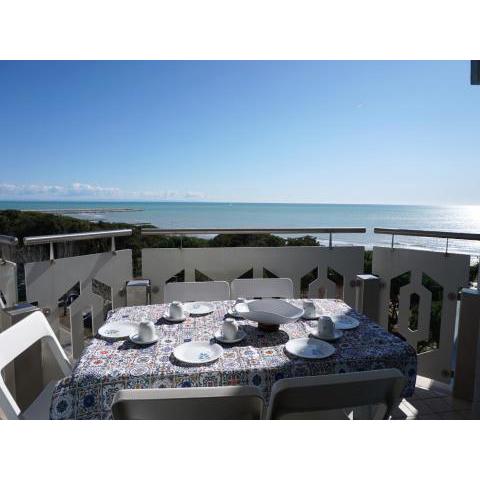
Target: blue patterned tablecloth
<point x="260" y="359"/>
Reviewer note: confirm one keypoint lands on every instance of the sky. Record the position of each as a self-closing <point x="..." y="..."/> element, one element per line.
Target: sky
<point x="309" y="132"/>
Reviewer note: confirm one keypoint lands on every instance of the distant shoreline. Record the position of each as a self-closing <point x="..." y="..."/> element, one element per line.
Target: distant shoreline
<point x="66" y="211"/>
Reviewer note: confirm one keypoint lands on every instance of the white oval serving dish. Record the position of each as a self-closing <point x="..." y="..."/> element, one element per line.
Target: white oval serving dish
<point x="271" y="311"/>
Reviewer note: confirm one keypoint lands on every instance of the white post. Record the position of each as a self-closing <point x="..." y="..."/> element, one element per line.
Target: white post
<point x="367" y="296"/>
<point x="467" y="367"/>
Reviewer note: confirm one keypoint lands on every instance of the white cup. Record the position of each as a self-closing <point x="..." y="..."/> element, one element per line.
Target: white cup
<point x="176" y="311"/>
<point x="229" y="329"/>
<point x="146" y="331"/>
<point x="309" y="308"/>
<point x="326" y="327"/>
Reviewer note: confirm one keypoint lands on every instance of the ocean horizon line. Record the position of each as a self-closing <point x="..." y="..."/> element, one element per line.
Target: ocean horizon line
<point x="222" y="202"/>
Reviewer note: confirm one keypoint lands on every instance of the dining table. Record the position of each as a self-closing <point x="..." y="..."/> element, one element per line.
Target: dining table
<point x="260" y="359"/>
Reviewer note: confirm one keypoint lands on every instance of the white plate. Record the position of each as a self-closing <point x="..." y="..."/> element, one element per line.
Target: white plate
<point x="336" y="335"/>
<point x="118" y="330"/>
<point x="241" y="334"/>
<point x="197" y="353"/>
<point x="271" y="311"/>
<point x="174" y="320"/>
<point x="345" y="322"/>
<point x="199" y="308"/>
<point x="135" y="339"/>
<point x="310" y="348"/>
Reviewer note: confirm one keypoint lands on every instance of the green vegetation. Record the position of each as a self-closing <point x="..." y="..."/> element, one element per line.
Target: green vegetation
<point x="367" y="262"/>
<point x="474" y="273"/>
<point x="27" y="224"/>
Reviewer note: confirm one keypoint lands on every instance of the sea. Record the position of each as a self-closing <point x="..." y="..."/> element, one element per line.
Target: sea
<point x="289" y="215"/>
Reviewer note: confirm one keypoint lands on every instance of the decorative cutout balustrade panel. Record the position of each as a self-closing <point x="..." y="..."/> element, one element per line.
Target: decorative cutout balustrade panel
<point x="161" y="264"/>
<point x="8" y="283"/>
<point x="47" y="282"/>
<point x="419" y="295"/>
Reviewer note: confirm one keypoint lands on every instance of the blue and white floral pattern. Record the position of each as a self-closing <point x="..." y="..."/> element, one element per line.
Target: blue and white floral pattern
<point x="260" y="359"/>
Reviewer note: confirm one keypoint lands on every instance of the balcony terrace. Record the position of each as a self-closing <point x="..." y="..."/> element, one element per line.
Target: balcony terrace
<point x="424" y="297"/>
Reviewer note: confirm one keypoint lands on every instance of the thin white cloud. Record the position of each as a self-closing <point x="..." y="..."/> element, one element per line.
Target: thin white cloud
<point x="169" y="195"/>
<point x="85" y="190"/>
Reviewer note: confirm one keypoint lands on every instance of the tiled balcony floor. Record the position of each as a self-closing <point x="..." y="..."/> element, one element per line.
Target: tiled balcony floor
<point x="432" y="401"/>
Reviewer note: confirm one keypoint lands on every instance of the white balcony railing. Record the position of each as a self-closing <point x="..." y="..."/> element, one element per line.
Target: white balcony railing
<point x="413" y="291"/>
<point x="48" y="282"/>
<point x="8" y="273"/>
<point x="75" y="237"/>
<point x="416" y="293"/>
<point x="304" y="265"/>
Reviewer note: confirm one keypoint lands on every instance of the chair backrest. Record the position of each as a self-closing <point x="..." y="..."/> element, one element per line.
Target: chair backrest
<point x="204" y="403"/>
<point x="14" y="341"/>
<point x="310" y="397"/>
<point x="262" y="288"/>
<point x="196" y="291"/>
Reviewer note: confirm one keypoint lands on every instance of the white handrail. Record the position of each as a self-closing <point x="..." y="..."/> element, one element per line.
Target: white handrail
<point x="250" y="231"/>
<point x="74" y="237"/>
<point x="8" y="240"/>
<point x="428" y="233"/>
<point x="203" y="231"/>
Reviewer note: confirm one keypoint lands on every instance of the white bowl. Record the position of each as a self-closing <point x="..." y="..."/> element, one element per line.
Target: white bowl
<point x="271" y="311"/>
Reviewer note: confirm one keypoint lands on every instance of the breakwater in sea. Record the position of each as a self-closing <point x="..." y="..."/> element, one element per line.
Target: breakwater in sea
<point x="80" y="211"/>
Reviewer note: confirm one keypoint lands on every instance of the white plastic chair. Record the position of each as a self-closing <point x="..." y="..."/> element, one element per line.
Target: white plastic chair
<point x="262" y="288"/>
<point x="203" y="403"/>
<point x="337" y="397"/>
<point x="196" y="291"/>
<point x="13" y="342"/>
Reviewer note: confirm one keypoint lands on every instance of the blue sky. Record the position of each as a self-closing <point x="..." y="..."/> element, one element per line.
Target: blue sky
<point x="338" y="132"/>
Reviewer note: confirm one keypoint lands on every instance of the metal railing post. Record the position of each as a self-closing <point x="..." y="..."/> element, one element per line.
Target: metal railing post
<point x="52" y="253"/>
